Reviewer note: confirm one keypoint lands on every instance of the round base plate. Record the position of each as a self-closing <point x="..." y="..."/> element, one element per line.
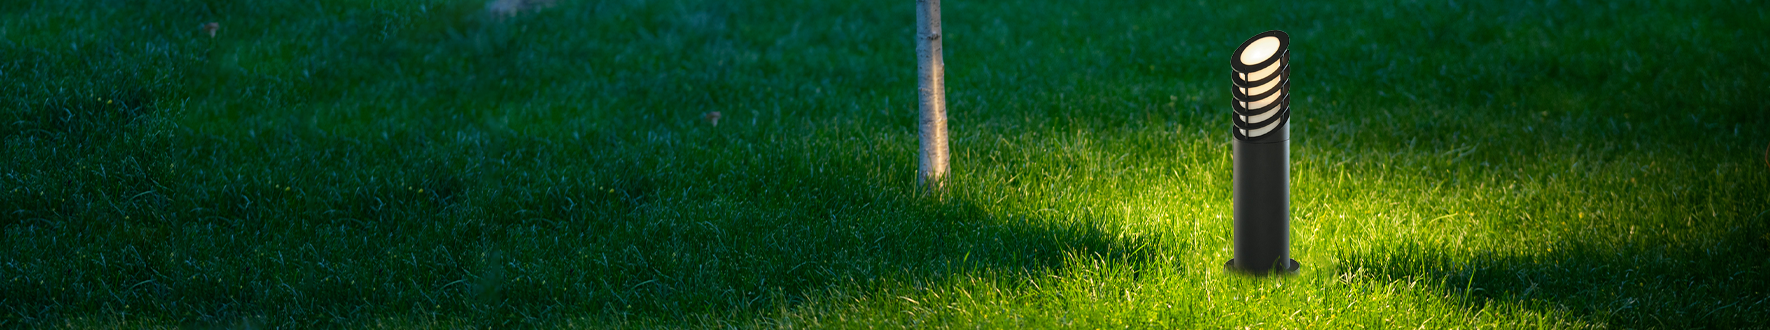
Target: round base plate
<point x="1289" y="268"/>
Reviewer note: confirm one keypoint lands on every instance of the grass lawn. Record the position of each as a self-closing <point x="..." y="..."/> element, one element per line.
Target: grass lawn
<point x="423" y="164"/>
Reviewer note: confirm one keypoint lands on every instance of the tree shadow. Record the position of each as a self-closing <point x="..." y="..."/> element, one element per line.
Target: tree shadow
<point x="817" y="221"/>
<point x="640" y="235"/>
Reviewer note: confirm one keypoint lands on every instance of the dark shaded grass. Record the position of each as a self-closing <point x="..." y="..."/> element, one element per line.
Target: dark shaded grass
<point x="337" y="163"/>
<point x="1621" y="236"/>
<point x="1649" y="284"/>
<point x="623" y="236"/>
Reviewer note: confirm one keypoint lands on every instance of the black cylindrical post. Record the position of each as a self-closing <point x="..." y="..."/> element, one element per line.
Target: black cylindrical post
<point x="1262" y="146"/>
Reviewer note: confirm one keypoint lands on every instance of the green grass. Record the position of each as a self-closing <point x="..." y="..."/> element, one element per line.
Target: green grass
<point x="407" y="163"/>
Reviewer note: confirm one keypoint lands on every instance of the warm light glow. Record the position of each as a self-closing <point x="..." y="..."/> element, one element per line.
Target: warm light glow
<point x="1260" y="50"/>
<point x="1257" y="90"/>
<point x="1261" y="131"/>
<point x="1260" y="118"/>
<point x="1262" y="102"/>
<point x="1263" y="73"/>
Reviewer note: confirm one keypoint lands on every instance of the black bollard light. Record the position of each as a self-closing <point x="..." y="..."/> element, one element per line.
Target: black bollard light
<point x="1262" y="146"/>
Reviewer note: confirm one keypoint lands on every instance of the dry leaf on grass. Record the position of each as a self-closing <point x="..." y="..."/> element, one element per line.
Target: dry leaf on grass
<point x="507" y="8"/>
<point x="711" y="117"/>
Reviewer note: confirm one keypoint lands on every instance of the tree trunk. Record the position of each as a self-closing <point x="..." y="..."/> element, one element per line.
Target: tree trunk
<point x="931" y="80"/>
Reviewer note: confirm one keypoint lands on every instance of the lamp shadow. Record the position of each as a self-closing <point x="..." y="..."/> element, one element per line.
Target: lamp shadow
<point x="1654" y="282"/>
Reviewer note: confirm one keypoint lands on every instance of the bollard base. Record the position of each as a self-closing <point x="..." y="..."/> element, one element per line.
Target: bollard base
<point x="1289" y="268"/>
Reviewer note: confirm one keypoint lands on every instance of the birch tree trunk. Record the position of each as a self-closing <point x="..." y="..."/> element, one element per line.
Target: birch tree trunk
<point x="931" y="80"/>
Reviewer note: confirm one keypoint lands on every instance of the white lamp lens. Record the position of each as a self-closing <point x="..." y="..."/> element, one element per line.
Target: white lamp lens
<point x="1262" y="89"/>
<point x="1262" y="103"/>
<point x="1261" y="117"/>
<point x="1262" y="74"/>
<point x="1260" y="131"/>
<point x="1260" y="50"/>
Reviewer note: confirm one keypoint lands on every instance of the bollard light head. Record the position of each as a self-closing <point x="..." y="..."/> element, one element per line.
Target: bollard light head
<point x="1262" y="86"/>
<point x="1260" y="49"/>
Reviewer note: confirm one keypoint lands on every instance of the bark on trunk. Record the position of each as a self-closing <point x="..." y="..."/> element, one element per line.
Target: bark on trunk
<point x="931" y="78"/>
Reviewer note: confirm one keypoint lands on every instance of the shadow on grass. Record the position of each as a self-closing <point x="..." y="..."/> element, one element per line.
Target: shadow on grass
<point x="487" y="232"/>
<point x="796" y="228"/>
<point x="1679" y="279"/>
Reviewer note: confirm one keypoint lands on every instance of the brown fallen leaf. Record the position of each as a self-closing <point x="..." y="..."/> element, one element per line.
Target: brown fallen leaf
<point x="508" y="8"/>
<point x="711" y="117"/>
